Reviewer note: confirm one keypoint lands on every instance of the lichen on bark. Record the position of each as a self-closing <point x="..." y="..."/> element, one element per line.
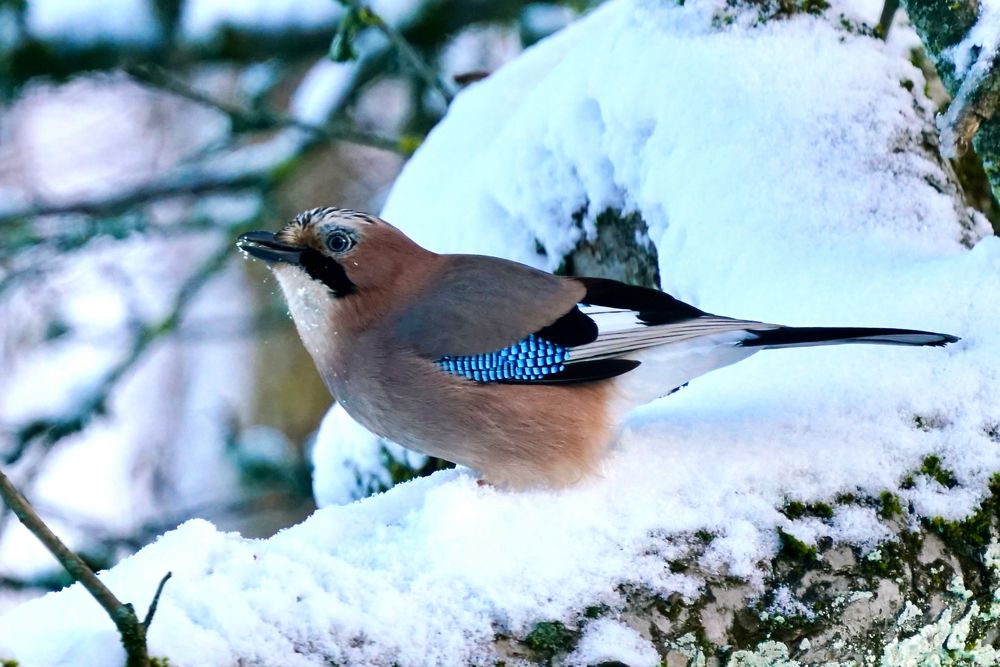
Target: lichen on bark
<point x="930" y="595"/>
<point x="618" y="247"/>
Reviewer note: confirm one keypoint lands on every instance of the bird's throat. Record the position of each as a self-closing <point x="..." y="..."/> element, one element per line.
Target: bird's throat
<point x="314" y="310"/>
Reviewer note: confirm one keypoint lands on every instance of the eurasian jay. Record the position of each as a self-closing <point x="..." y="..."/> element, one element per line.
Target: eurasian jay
<point x="517" y="373"/>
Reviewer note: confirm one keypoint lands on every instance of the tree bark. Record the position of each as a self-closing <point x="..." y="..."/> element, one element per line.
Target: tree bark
<point x="941" y="25"/>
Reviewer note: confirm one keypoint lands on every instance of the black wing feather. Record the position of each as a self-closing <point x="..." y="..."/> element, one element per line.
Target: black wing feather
<point x="584" y="371"/>
<point x="575" y="328"/>
<point x="572" y="329"/>
<point x="653" y="306"/>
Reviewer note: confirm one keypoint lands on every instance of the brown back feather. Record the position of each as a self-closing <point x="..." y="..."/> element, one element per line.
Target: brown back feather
<point x="476" y="304"/>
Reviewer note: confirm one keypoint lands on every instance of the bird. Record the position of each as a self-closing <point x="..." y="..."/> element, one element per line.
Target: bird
<point x="521" y="375"/>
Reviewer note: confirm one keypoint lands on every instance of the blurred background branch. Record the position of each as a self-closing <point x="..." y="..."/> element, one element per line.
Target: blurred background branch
<point x="260" y="119"/>
<point x="49" y="430"/>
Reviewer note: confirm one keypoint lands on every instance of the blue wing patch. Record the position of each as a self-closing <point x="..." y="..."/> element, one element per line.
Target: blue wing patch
<point x="533" y="358"/>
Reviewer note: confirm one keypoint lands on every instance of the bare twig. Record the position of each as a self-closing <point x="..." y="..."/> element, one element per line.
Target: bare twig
<point x="194" y="181"/>
<point x="889" y="9"/>
<point x="208" y="329"/>
<point x="132" y="631"/>
<point x="244" y="120"/>
<point x="72" y="234"/>
<point x="185" y="183"/>
<point x="403" y="47"/>
<point x="151" y="612"/>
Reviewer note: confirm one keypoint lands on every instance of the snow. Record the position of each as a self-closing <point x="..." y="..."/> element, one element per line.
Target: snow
<point x="786" y="605"/>
<point x="356" y="465"/>
<point x="780" y="174"/>
<point x="980" y="42"/>
<point x="606" y="640"/>
<point x="850" y="524"/>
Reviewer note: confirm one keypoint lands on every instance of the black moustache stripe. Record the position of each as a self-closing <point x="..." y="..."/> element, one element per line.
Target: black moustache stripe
<point x="320" y="267"/>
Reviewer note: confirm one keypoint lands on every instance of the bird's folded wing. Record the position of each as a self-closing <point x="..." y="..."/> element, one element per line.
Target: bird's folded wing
<point x="492" y="320"/>
<point x="475" y="305"/>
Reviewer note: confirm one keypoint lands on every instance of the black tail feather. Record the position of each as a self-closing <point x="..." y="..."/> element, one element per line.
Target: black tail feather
<point x="806" y="336"/>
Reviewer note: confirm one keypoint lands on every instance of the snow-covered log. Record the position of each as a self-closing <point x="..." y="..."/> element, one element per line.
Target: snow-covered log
<point x="835" y="504"/>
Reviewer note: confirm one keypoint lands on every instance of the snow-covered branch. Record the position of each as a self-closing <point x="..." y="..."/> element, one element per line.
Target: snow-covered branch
<point x="963" y="38"/>
<point x="975" y="103"/>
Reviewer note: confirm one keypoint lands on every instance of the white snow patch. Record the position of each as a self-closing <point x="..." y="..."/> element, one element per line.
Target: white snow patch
<point x="860" y="526"/>
<point x="851" y="524"/>
<point x="786" y="605"/>
<point x="608" y="640"/>
<point x="930" y="498"/>
<point x="349" y="461"/>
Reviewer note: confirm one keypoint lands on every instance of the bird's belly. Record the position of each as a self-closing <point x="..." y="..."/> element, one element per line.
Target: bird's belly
<point x="514" y="435"/>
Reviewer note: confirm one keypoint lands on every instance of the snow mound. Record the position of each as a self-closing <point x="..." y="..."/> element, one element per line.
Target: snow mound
<point x="778" y="170"/>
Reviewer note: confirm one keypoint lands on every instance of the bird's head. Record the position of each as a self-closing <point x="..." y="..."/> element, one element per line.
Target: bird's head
<point x="345" y="251"/>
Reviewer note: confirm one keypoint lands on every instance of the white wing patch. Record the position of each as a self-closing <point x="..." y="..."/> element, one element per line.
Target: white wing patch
<point x="620" y="332"/>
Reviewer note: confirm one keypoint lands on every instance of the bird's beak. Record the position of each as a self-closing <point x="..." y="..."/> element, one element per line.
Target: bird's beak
<point x="263" y="245"/>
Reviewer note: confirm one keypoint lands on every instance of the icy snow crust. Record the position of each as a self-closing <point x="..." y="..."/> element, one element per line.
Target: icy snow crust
<point x="765" y="161"/>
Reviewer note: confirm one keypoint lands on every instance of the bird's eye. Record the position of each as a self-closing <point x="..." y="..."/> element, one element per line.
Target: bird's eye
<point x="339" y="241"/>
